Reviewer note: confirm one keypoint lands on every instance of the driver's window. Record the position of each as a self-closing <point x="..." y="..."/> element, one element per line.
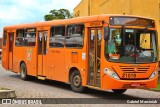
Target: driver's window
<point x="145" y="41"/>
<point x="145" y="45"/>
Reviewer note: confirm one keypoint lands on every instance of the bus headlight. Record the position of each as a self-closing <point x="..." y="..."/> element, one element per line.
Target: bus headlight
<point x="111" y="73"/>
<point x="153" y="74"/>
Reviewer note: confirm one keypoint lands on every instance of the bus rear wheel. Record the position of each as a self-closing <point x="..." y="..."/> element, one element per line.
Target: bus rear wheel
<point x="76" y="81"/>
<point x="119" y="91"/>
<point x="23" y="71"/>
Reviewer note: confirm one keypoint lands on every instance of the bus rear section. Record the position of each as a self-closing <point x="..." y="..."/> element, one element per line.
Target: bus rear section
<point x="7" y="47"/>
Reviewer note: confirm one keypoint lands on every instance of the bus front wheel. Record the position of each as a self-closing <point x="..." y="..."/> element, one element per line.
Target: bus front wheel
<point x="76" y="81"/>
<point x="23" y="71"/>
<point x="119" y="91"/>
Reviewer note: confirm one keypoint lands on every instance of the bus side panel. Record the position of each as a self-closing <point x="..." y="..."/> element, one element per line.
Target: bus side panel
<point x="17" y="58"/>
<point x="5" y="57"/>
<point x="55" y="64"/>
<point x="30" y="60"/>
<point x="59" y="65"/>
<point x="50" y="61"/>
<point x="73" y="58"/>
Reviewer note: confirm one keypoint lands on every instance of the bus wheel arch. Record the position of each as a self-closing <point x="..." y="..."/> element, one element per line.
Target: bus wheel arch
<point x="23" y="70"/>
<point x="75" y="80"/>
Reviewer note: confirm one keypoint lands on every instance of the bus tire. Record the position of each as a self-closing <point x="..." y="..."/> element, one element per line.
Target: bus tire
<point x="23" y="71"/>
<point x="119" y="91"/>
<point x="76" y="81"/>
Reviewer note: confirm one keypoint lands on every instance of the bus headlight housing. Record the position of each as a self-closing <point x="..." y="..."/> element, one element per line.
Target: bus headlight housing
<point x="153" y="74"/>
<point x="111" y="73"/>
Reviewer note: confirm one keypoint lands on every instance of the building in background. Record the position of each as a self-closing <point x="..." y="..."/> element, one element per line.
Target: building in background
<point x="146" y="8"/>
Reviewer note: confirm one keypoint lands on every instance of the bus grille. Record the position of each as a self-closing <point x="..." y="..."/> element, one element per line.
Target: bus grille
<point x="141" y="69"/>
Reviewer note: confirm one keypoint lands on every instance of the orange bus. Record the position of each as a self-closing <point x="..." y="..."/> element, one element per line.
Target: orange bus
<point x="107" y="52"/>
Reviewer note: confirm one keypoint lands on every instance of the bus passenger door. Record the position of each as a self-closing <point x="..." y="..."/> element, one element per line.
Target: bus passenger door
<point x="11" y="41"/>
<point x="42" y="41"/>
<point x="94" y="56"/>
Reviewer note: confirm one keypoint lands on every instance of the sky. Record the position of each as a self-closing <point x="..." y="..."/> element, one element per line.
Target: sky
<point x="27" y="11"/>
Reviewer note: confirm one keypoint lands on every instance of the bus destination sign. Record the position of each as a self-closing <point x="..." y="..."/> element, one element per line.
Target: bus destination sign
<point x="31" y="30"/>
<point x="132" y="21"/>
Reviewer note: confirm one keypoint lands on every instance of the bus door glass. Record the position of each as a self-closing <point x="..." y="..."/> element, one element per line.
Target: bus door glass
<point x="42" y="40"/>
<point x="95" y="36"/>
<point x="11" y="39"/>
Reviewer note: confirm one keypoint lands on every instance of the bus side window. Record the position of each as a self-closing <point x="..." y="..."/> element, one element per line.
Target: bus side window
<point x="4" y="38"/>
<point x="30" y="39"/>
<point x="57" y="37"/>
<point x="75" y="36"/>
<point x="19" y="37"/>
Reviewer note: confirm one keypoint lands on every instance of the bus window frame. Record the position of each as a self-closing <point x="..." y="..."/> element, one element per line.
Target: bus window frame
<point x="58" y="37"/>
<point x="5" y="35"/>
<point x="76" y="36"/>
<point x="25" y="33"/>
<point x="19" y="37"/>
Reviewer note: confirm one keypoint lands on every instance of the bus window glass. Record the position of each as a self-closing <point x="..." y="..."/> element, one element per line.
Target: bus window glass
<point x="75" y="37"/>
<point x="134" y="46"/>
<point x="57" y="36"/>
<point x="30" y="39"/>
<point x="19" y="37"/>
<point x="4" y="38"/>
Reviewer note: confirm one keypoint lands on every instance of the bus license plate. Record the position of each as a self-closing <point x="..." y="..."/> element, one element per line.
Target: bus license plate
<point x="129" y="75"/>
<point x="135" y="84"/>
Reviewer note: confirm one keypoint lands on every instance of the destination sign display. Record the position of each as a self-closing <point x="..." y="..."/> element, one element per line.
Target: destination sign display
<point x="31" y="30"/>
<point x="94" y="24"/>
<point x="132" y="21"/>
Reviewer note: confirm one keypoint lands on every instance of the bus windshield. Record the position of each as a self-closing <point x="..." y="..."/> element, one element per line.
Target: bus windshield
<point x="131" y="45"/>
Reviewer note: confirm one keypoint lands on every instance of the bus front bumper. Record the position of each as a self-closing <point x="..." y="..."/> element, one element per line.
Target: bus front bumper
<point x="111" y="83"/>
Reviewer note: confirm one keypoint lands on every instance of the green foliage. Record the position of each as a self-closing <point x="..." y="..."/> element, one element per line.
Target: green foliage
<point x="48" y="17"/>
<point x="158" y="87"/>
<point x="58" y="14"/>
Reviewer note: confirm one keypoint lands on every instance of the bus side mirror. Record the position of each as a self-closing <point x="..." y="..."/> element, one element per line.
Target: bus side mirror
<point x="106" y="33"/>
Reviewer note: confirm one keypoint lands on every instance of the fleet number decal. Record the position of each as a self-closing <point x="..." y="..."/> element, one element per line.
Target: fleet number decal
<point x="129" y="75"/>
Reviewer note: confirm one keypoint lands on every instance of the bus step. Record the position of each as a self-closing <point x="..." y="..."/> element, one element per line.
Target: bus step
<point x="90" y="86"/>
<point x="41" y="78"/>
<point x="98" y="83"/>
<point x="91" y="82"/>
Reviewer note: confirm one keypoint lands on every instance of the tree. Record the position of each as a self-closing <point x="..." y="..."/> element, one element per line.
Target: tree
<point x="58" y="14"/>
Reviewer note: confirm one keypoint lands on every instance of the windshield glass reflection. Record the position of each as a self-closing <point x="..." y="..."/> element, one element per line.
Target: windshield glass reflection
<point x="131" y="46"/>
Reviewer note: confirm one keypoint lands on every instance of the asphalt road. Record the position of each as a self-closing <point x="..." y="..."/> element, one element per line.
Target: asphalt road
<point x="51" y="89"/>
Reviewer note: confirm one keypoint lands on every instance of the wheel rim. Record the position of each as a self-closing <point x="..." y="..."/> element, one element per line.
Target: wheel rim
<point x="77" y="80"/>
<point x="23" y="72"/>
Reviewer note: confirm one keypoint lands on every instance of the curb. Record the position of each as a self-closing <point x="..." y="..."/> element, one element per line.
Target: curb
<point x="7" y="94"/>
